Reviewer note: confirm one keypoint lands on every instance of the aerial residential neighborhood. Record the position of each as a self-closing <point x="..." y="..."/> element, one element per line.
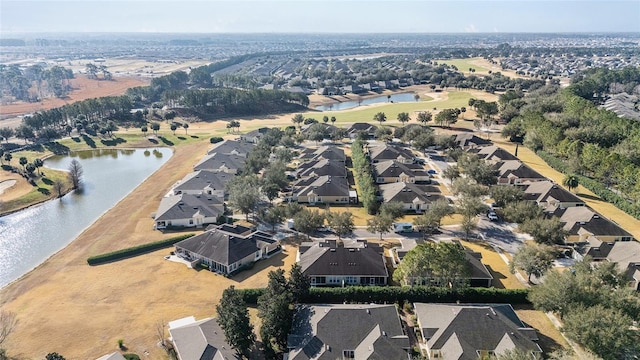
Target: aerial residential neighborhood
<point x="270" y="180"/>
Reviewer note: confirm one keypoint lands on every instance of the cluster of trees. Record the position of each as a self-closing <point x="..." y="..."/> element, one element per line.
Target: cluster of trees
<point x="364" y="176"/>
<point x="431" y="263"/>
<point x="92" y="71"/>
<point x="597" y="308"/>
<point x="592" y="142"/>
<point x="54" y="81"/>
<point x="91" y="116"/>
<point x="276" y="309"/>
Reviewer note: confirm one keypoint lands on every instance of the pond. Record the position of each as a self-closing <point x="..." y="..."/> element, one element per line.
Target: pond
<point x="30" y="236"/>
<point x="404" y="97"/>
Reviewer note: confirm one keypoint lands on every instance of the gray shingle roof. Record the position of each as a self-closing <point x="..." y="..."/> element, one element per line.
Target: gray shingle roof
<point x="201" y="340"/>
<point x="466" y="328"/>
<point x="199" y="180"/>
<point x="323" y="167"/>
<point x="217" y="161"/>
<point x="224" y="247"/>
<point x="185" y="206"/>
<point x="229" y="146"/>
<point x="372" y="332"/>
<point x="322" y="259"/>
<point x="407" y="193"/>
<point x="393" y="168"/>
<point x="112" y="356"/>
<point x="326" y="186"/>
<point x="383" y="152"/>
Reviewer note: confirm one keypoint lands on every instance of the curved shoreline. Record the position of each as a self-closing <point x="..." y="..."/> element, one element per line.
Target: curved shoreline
<point x="102" y="214"/>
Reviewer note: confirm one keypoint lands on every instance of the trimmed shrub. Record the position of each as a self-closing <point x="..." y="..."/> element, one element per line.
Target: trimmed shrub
<point x="399" y="294"/>
<point x="136" y="250"/>
<point x="131" y="356"/>
<point x="215" y="139"/>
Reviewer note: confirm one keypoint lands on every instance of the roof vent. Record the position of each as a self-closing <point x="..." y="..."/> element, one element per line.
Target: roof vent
<point x="333" y="250"/>
<point x="582" y="223"/>
<point x="596" y="216"/>
<point x="352" y="250"/>
<point x="368" y="311"/>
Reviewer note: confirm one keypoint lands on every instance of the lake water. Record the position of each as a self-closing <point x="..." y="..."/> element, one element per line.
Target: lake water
<point x="30" y="236"/>
<point x="404" y="97"/>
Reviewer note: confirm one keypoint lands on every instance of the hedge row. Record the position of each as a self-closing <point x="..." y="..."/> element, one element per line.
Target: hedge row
<point x="594" y="186"/>
<point x="364" y="177"/>
<point x="136" y="250"/>
<point x="399" y="294"/>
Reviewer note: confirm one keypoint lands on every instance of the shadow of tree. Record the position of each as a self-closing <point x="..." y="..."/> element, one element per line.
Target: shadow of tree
<point x="113" y="142"/>
<point x="57" y="148"/>
<point x="195" y="137"/>
<point x="166" y="141"/>
<point x="182" y="138"/>
<point x="47" y="181"/>
<point x="154" y="141"/>
<point x="44" y="191"/>
<point x="76" y="139"/>
<point x="87" y="139"/>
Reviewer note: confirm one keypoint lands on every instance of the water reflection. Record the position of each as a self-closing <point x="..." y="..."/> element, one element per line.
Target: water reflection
<point x="28" y="237"/>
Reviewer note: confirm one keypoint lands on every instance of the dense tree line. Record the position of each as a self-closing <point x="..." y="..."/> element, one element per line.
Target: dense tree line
<point x="597" y="307"/>
<point x="364" y="177"/>
<point x="591" y="141"/>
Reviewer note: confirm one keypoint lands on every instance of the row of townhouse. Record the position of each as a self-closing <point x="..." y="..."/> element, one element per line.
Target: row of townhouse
<point x="198" y="199"/>
<point x="588" y="232"/>
<point x="374" y="331"/>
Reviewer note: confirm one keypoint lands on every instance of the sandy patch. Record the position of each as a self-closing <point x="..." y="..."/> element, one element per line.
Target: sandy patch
<point x="6" y="184"/>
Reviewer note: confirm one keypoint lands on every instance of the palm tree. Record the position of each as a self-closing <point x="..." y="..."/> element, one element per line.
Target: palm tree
<point x="23" y="161"/>
<point x="185" y="126"/>
<point x="570" y="181"/>
<point x="38" y="163"/>
<point x="403" y="117"/>
<point x="333" y="120"/>
<point x="174" y="127"/>
<point x="325" y="119"/>
<point x="144" y="130"/>
<point x="380" y="117"/>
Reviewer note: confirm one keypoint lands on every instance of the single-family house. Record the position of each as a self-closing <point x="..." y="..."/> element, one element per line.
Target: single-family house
<point x="473" y="331"/>
<point x="469" y="140"/>
<point x="382" y="152"/>
<point x="329" y="152"/>
<point x="581" y="223"/>
<point x="226" y="248"/>
<point x="187" y="210"/>
<point x="478" y="275"/>
<point x="231" y="164"/>
<point x="317" y="168"/>
<point x="328" y="264"/>
<point x="347" y="331"/>
<point x="199" y="340"/>
<point x="324" y="189"/>
<point x="352" y="89"/>
<point x="625" y="254"/>
<point x="492" y="153"/>
<point x="112" y="356"/>
<point x="254" y="136"/>
<point x="203" y="182"/>
<point x="232" y="147"/>
<point x="391" y="171"/>
<point x="513" y="172"/>
<point x="368" y="129"/>
<point x="413" y="197"/>
<point x="550" y="196"/>
<point x="329" y="91"/>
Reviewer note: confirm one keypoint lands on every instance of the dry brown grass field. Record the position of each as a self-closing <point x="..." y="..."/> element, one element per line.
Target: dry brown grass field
<point x="83" y="89"/>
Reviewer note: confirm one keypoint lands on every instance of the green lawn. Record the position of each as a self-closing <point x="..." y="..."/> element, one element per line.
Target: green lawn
<point x="41" y="192"/>
<point x="455" y="99"/>
<point x="463" y="65"/>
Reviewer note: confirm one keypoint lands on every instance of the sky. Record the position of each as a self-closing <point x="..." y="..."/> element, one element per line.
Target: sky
<point x="313" y="16"/>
